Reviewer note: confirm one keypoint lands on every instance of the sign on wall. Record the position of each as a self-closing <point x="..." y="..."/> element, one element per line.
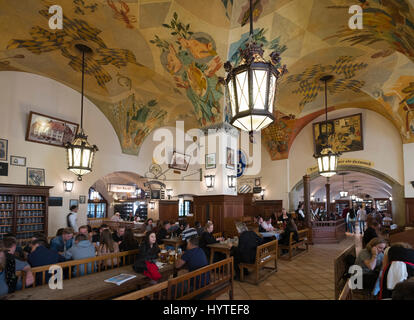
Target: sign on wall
<point x="346" y="162"/>
<point x="121" y="188"/>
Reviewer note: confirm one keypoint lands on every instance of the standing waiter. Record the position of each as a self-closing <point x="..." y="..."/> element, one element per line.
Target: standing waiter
<point x="71" y="218"/>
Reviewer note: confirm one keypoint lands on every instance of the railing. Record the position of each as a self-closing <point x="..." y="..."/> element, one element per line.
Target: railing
<point x="330" y="223"/>
<point x="97" y="264"/>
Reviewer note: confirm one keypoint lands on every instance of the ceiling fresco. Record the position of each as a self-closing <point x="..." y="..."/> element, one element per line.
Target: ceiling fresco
<point x="158" y="61"/>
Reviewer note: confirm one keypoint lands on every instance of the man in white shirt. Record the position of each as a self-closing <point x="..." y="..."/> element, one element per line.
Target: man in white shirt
<point x="116" y="217"/>
<point x="362" y="217"/>
<point x="267" y="225"/>
<point x="71" y="218"/>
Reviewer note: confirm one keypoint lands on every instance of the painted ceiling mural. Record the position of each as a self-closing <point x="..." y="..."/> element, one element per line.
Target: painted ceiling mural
<point x="158" y="61"/>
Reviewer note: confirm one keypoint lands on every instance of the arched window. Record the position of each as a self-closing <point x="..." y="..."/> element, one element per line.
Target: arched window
<point x="97" y="205"/>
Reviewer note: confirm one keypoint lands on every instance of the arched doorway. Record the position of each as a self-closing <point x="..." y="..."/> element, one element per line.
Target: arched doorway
<point x="370" y="181"/>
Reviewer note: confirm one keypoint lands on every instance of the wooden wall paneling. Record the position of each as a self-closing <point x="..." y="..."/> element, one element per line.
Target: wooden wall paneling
<point x="168" y="210"/>
<point x="409" y="211"/>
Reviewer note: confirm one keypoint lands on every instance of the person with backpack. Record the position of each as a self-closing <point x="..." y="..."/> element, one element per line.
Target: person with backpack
<point x="351" y="218"/>
<point x="71" y="218"/>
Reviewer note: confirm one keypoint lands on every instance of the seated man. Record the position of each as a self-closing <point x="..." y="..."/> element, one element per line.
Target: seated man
<point x="9" y="265"/>
<point x="163" y="233"/>
<point x="118" y="236"/>
<point x="63" y="242"/>
<point x="42" y="256"/>
<point x="116" y="217"/>
<point x="81" y="249"/>
<point x="267" y="225"/>
<point x="246" y="251"/>
<point x="193" y="258"/>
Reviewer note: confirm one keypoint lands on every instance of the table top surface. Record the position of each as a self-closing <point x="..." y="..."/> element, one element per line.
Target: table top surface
<point x="173" y="240"/>
<point x="90" y="287"/>
<point x="220" y="245"/>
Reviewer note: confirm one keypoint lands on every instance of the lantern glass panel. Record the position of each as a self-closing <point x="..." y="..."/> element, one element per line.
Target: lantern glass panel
<point x="259" y="89"/>
<point x="242" y="87"/>
<point x="85" y="157"/>
<point x="272" y="91"/>
<point x="232" y="98"/>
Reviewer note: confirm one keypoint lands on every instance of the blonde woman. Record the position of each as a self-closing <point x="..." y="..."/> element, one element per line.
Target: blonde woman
<point x="107" y="246"/>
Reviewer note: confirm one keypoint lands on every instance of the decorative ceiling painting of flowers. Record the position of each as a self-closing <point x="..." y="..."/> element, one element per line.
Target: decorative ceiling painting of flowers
<point x="192" y="60"/>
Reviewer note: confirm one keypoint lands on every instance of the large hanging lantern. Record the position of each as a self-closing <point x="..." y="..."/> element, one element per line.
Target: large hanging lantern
<point x="80" y="153"/>
<point x="327" y="159"/>
<point x="251" y="86"/>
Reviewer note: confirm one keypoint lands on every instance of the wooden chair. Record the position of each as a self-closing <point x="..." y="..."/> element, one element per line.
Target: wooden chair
<point x="294" y="245"/>
<point x="341" y="269"/>
<point x="264" y="254"/>
<point x="206" y="283"/>
<point x="155" y="292"/>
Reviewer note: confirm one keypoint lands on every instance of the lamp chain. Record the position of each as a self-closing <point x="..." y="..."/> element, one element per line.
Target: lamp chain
<point x="83" y="76"/>
<point x="251" y="18"/>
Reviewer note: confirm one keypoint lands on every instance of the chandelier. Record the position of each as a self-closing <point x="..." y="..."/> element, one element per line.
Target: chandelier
<point x="327" y="159"/>
<point x="80" y="153"/>
<point x="343" y="193"/>
<point x="251" y="86"/>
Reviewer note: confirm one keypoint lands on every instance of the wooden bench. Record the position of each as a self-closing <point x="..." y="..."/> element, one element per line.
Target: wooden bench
<point x="98" y="264"/>
<point x="303" y="236"/>
<point x="264" y="254"/>
<point x="346" y="293"/>
<point x="156" y="292"/>
<point x="341" y="269"/>
<point x="217" y="278"/>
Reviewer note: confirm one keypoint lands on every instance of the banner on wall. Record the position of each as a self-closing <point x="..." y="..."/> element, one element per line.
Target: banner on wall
<point x="121" y="188"/>
<point x="346" y="162"/>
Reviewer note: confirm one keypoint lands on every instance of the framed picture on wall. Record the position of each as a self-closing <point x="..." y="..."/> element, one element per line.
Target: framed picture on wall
<point x="3" y="149"/>
<point x="73" y="202"/>
<point x="345" y="134"/>
<point x="49" y="130"/>
<point x="210" y="161"/>
<point x="18" y="161"/>
<point x="4" y="169"/>
<point x="35" y="177"/>
<point x="179" y="161"/>
<point x="82" y="199"/>
<point x="230" y="163"/>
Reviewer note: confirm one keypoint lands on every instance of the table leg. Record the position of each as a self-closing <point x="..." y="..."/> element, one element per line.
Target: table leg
<point x="212" y="251"/>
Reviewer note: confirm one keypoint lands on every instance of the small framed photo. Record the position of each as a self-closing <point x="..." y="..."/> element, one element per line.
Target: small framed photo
<point x="18" y="161"/>
<point x="82" y="199"/>
<point x="230" y="164"/>
<point x="35" y="177"/>
<point x="179" y="161"/>
<point x="210" y="161"/>
<point x="4" y="169"/>
<point x="3" y="149"/>
<point x="73" y="202"/>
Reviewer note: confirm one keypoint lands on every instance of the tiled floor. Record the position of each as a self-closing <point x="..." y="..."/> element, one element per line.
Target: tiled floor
<point x="309" y="276"/>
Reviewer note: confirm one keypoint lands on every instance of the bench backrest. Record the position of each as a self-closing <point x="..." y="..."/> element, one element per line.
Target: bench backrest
<point x="194" y="283"/>
<point x="346" y="293"/>
<point x="266" y="252"/>
<point x="156" y="292"/>
<point x="340" y="268"/>
<point x="302" y="235"/>
<point x="94" y="264"/>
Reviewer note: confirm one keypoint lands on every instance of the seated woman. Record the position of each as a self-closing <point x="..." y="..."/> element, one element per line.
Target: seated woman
<point x="267" y="224"/>
<point x="290" y="228"/>
<point x="148" y="254"/>
<point x="372" y="231"/>
<point x="370" y="260"/>
<point x="207" y="238"/>
<point x="128" y="242"/>
<point x="149" y="225"/>
<point x="398" y="266"/>
<point x="107" y="246"/>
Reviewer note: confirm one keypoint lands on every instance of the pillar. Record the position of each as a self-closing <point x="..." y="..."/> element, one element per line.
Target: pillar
<point x="328" y="196"/>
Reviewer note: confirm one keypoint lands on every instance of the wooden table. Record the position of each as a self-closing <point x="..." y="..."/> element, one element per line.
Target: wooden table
<point x="91" y="287"/>
<point x="219" y="247"/>
<point x="173" y="242"/>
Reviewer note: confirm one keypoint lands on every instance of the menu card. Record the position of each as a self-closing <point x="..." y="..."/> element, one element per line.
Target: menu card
<point x="120" y="279"/>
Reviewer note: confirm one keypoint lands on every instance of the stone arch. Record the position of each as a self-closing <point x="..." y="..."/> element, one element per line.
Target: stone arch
<point x="398" y="202"/>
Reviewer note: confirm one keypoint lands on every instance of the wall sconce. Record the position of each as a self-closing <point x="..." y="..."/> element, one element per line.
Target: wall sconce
<point x="231" y="180"/>
<point x="152" y="205"/>
<point x="210" y="181"/>
<point x="68" y="186"/>
<point x="312" y="198"/>
<point x="262" y="193"/>
<point x="169" y="193"/>
<point x="257" y="182"/>
<point x="390" y="198"/>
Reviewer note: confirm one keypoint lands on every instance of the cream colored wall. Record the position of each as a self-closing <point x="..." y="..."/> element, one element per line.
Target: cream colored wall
<point x="382" y="145"/>
<point x="23" y="92"/>
<point x="408" y="169"/>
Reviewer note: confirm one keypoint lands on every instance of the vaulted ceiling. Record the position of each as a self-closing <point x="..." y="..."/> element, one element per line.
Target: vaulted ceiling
<point x="158" y="61"/>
